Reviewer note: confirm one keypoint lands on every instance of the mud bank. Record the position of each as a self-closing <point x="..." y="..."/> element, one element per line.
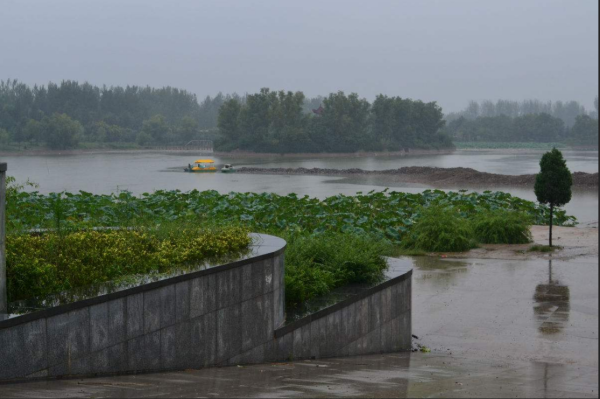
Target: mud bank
<point x="571" y="242"/>
<point x="429" y="175"/>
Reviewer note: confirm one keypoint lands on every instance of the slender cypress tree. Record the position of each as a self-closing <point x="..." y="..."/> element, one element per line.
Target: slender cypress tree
<point x="553" y="183"/>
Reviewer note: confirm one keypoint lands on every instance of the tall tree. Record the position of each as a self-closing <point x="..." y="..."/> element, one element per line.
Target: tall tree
<point x="61" y="132"/>
<point x="553" y="183"/>
<point x="156" y="127"/>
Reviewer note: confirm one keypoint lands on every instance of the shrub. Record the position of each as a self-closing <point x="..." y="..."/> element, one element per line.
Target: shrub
<point x="318" y="263"/>
<point x="440" y="229"/>
<point x="50" y="263"/>
<point x="502" y="227"/>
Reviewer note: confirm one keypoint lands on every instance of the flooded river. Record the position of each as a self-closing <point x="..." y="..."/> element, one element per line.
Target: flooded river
<point x="146" y="172"/>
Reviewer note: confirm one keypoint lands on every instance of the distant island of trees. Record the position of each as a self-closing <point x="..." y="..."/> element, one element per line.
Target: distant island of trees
<point x="73" y="115"/>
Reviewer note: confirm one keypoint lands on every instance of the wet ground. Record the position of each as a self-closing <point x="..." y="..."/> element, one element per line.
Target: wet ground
<point x="496" y="328"/>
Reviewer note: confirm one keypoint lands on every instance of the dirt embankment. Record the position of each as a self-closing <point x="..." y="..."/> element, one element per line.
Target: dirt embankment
<point x="429" y="175"/>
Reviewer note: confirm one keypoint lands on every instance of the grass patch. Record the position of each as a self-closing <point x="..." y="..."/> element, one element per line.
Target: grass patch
<point x="502" y="227"/>
<point x="543" y="248"/>
<point x="316" y="264"/>
<point x="440" y="229"/>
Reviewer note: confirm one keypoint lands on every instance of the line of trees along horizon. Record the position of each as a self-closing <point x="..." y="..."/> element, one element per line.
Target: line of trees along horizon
<point x="71" y="114"/>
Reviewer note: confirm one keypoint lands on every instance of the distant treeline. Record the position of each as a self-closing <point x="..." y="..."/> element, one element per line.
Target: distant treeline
<point x="537" y="128"/>
<point x="566" y="111"/>
<point x="61" y="115"/>
<point x="71" y="114"/>
<point x="526" y="121"/>
<point x="285" y="122"/>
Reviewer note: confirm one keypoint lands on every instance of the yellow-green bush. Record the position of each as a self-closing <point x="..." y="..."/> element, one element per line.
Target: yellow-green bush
<point x="49" y="263"/>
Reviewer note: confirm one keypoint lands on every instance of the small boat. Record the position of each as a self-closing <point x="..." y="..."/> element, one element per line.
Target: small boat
<point x="201" y="165"/>
<point x="227" y="168"/>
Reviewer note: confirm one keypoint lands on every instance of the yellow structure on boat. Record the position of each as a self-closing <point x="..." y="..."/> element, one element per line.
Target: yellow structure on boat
<point x="202" y="165"/>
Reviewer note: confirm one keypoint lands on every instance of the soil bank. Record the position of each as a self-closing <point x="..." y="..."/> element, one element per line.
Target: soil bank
<point x="430" y="175"/>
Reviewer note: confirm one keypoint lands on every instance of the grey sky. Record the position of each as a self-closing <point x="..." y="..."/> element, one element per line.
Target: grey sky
<point x="450" y="51"/>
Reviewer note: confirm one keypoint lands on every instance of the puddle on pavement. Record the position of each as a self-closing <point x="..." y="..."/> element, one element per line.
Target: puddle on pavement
<point x="552" y="304"/>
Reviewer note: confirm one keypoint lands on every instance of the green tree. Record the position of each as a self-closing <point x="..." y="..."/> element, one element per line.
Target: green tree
<point x="156" y="127"/>
<point x="4" y="136"/>
<point x="143" y="138"/>
<point x="228" y="120"/>
<point x="585" y="130"/>
<point x="61" y="132"/>
<point x="187" y="129"/>
<point x="32" y="131"/>
<point x="553" y="183"/>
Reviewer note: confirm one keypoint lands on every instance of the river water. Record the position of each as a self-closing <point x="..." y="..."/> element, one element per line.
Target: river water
<point x="146" y="172"/>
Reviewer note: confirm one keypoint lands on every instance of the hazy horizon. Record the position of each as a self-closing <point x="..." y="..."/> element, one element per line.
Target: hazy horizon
<point x="449" y="52"/>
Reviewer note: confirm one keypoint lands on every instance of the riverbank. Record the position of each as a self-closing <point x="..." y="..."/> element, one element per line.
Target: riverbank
<point x="570" y="242"/>
<point x="358" y="154"/>
<point x="429" y="175"/>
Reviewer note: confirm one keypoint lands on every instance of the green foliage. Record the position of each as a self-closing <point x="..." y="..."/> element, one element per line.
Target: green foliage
<point x="4" y="137"/>
<point x="330" y="242"/>
<point x="441" y="229"/>
<point x="502" y="227"/>
<point x="61" y="132"/>
<point x="553" y="183"/>
<point x="41" y="264"/>
<point x="386" y="214"/>
<point x="156" y="127"/>
<point x="403" y="123"/>
<point x="585" y="131"/>
<point x="316" y="264"/>
<point x="541" y="128"/>
<point x="108" y="114"/>
<point x="278" y="122"/>
<point x="565" y="111"/>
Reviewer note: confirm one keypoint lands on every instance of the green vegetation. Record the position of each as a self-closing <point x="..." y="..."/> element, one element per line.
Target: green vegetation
<point x="60" y="116"/>
<point x="316" y="264"/>
<point x="41" y="264"/>
<point x="385" y="214"/>
<point x="553" y="183"/>
<point x="565" y="111"/>
<point x="277" y="122"/>
<point x="441" y="229"/>
<point x="526" y="122"/>
<point x="331" y="242"/>
<point x="502" y="227"/>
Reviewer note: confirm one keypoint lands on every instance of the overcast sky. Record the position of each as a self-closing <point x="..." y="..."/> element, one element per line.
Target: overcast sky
<point x="450" y="51"/>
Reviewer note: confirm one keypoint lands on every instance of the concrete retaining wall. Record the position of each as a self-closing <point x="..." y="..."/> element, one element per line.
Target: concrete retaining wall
<point x="225" y="315"/>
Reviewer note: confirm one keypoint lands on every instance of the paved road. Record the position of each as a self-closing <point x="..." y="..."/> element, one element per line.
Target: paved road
<point x="496" y="328"/>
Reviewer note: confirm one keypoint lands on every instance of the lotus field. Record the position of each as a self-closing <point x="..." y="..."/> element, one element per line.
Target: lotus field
<point x="386" y="214"/>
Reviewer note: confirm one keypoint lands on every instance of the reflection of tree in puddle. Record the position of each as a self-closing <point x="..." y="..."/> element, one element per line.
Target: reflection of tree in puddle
<point x="552" y="304"/>
<point x="439" y="271"/>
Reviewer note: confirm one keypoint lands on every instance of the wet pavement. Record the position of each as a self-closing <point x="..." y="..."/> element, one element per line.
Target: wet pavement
<point x="496" y="328"/>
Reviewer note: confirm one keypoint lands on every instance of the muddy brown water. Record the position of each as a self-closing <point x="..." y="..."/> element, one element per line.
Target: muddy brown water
<point x="145" y="172"/>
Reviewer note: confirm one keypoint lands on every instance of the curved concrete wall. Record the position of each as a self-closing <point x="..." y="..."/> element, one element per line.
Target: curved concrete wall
<point x="225" y="315"/>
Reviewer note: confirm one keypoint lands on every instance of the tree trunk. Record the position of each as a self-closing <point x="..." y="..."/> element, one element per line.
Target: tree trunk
<point x="551" y="211"/>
